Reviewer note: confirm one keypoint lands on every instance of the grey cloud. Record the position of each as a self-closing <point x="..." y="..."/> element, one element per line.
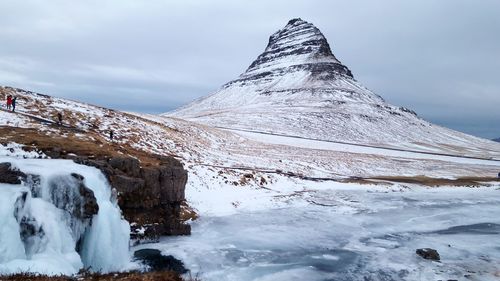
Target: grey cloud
<point x="440" y="58"/>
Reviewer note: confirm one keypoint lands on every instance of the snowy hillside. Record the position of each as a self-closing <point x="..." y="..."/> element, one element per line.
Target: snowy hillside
<point x="202" y="147"/>
<point x="297" y="87"/>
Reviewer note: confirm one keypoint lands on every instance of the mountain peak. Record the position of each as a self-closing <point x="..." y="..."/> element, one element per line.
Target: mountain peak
<point x="298" y="43"/>
<point x="292" y="21"/>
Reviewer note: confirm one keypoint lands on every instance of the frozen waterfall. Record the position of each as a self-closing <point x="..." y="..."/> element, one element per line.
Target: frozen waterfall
<point x="44" y="227"/>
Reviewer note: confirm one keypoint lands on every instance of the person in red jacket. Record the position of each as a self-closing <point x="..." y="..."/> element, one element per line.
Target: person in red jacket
<point x="9" y="102"/>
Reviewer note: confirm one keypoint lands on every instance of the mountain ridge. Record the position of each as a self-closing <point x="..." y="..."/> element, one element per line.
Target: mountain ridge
<point x="298" y="87"/>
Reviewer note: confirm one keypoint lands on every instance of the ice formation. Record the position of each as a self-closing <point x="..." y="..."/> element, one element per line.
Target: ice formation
<point x="42" y="225"/>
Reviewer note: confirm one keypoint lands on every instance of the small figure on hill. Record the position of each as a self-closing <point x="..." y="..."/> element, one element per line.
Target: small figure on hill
<point x="14" y="104"/>
<point x="111" y="135"/>
<point x="59" y="118"/>
<point x="499" y="175"/>
<point x="9" y="101"/>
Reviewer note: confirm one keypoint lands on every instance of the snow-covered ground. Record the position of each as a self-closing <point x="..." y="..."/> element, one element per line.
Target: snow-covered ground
<point x="13" y="120"/>
<point x="199" y="145"/>
<point x="257" y="223"/>
<point x="348" y="232"/>
<point x="352" y="148"/>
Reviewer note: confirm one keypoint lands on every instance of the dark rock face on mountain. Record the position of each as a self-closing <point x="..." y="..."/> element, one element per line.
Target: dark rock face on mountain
<point x="298" y="47"/>
<point x="150" y="197"/>
<point x="497" y="139"/>
<point x="299" y="40"/>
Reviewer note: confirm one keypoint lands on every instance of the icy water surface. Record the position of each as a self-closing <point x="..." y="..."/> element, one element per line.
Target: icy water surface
<point x="364" y="234"/>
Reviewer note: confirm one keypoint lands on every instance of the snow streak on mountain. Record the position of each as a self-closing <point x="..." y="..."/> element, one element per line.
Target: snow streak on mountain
<point x="297" y="87"/>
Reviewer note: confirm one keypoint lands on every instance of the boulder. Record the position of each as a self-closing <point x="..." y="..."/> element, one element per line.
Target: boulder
<point x="158" y="262"/>
<point x="428" y="254"/>
<point x="10" y="175"/>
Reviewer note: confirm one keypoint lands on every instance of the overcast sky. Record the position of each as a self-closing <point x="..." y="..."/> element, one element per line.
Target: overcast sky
<point x="440" y="58"/>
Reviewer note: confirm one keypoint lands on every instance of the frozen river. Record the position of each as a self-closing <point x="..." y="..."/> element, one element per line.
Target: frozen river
<point x="351" y="234"/>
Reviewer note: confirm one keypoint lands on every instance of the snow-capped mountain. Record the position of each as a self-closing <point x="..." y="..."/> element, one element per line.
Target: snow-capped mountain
<point x="297" y="87"/>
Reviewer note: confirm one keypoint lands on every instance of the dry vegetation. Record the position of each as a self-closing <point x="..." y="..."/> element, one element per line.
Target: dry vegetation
<point x="92" y="123"/>
<point x="188" y="213"/>
<point x="429" y="181"/>
<point x="92" y="146"/>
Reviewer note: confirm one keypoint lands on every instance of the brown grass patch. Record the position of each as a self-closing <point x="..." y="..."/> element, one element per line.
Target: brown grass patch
<point x="92" y="145"/>
<point x="187" y="213"/>
<point x="435" y="182"/>
<point x="360" y="180"/>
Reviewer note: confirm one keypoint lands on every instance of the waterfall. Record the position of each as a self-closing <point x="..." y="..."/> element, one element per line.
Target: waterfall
<point x="45" y="226"/>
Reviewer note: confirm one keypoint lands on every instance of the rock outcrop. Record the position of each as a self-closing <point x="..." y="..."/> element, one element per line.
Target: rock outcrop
<point x="428" y="254"/>
<point x="10" y="175"/>
<point x="298" y="44"/>
<point x="155" y="261"/>
<point x="149" y="197"/>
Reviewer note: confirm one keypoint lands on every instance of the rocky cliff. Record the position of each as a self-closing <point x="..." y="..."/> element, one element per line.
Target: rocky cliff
<point x="150" y="197"/>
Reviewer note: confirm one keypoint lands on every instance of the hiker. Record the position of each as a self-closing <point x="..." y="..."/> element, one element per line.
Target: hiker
<point x="499" y="175"/>
<point x="14" y="104"/>
<point x="59" y="118"/>
<point x="111" y="135"/>
<point x="9" y="101"/>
